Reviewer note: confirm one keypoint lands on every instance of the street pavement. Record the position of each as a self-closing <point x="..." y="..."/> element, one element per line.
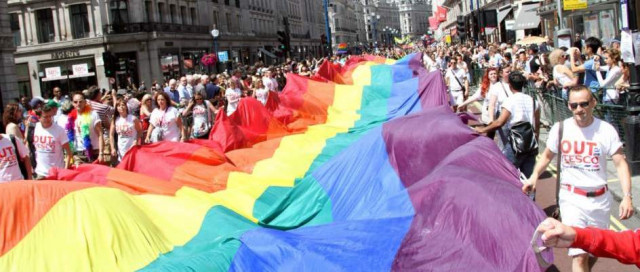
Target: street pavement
<point x="545" y="199"/>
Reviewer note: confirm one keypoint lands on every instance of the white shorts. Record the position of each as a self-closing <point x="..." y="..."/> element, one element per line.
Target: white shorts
<point x="457" y="97"/>
<point x="581" y="211"/>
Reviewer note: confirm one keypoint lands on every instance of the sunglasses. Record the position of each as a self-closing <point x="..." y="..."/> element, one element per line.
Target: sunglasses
<point x="583" y="105"/>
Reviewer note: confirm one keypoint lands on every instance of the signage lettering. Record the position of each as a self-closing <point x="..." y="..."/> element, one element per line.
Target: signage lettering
<point x="65" y="54"/>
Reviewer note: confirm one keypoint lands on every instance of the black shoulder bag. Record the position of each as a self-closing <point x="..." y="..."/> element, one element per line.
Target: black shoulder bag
<point x="464" y="90"/>
<point x="522" y="136"/>
<point x="23" y="168"/>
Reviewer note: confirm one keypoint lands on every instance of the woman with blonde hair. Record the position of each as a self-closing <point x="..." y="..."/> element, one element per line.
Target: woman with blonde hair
<point x="562" y="76"/>
<point x="261" y="93"/>
<point x="146" y="108"/>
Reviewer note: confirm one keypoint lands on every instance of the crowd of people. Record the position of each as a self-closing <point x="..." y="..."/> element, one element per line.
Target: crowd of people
<point x="583" y="76"/>
<point x="96" y="125"/>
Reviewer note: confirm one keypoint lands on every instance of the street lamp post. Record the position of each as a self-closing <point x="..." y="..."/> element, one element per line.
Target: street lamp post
<point x="374" y="21"/>
<point x="327" y="27"/>
<point x="215" y="33"/>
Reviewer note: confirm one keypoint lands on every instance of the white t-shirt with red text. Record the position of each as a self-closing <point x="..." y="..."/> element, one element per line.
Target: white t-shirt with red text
<point x="48" y="147"/>
<point x="9" y="168"/>
<point x="584" y="151"/>
<point x="127" y="134"/>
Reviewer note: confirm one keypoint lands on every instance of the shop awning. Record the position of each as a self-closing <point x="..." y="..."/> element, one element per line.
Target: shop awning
<point x="45" y="79"/>
<point x="267" y="53"/>
<point x="82" y="75"/>
<point x="527" y="16"/>
<point x="502" y="12"/>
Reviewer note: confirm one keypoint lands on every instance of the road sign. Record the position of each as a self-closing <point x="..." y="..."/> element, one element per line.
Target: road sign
<point x="223" y="56"/>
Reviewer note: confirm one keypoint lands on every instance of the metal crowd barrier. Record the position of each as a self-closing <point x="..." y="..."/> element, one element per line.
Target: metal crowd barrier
<point x="555" y="108"/>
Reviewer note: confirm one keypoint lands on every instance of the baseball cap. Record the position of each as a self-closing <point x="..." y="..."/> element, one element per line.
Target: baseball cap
<point x="35" y="101"/>
<point x="52" y="103"/>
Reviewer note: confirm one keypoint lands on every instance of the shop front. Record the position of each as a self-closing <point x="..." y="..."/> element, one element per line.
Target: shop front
<point x="527" y="20"/>
<point x="70" y="75"/>
<point x="22" y="76"/>
<point x="127" y="72"/>
<point x="599" y="19"/>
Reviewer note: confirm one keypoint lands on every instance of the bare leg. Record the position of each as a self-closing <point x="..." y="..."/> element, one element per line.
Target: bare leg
<point x="580" y="263"/>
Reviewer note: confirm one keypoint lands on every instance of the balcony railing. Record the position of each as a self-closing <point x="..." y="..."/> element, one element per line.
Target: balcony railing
<point x="157" y="27"/>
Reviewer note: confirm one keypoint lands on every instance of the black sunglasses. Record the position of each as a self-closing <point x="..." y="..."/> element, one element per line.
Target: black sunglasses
<point x="574" y="106"/>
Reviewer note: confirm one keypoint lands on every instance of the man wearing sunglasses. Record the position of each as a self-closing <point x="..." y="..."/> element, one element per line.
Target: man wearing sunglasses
<point x="584" y="197"/>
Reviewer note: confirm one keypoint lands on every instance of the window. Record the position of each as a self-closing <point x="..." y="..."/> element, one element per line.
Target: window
<point x="194" y="19"/>
<point x="148" y="14"/>
<point x="229" y="25"/>
<point x="226" y="2"/>
<point x="239" y="24"/>
<point x="79" y="21"/>
<point x="237" y="3"/>
<point x="215" y="18"/>
<point x="14" y="23"/>
<point x="44" y="23"/>
<point x="119" y="13"/>
<point x="161" y="13"/>
<point x="172" y="10"/>
<point x="183" y="14"/>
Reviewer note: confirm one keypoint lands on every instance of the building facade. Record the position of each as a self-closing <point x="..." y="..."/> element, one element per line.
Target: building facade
<point x="8" y="86"/>
<point x="343" y="18"/>
<point x="414" y="16"/>
<point x="61" y="43"/>
<point x="380" y="18"/>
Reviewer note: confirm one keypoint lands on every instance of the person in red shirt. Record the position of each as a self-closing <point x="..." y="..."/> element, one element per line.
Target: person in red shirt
<point x="623" y="246"/>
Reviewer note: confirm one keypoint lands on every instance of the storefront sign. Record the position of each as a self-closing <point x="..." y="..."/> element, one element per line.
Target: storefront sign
<point x="636" y="46"/>
<point x="80" y="69"/>
<point x="623" y="13"/>
<point x="509" y="24"/>
<point x="65" y="54"/>
<point x="223" y="56"/>
<point x="575" y="4"/>
<point x="626" y="46"/>
<point x="53" y="72"/>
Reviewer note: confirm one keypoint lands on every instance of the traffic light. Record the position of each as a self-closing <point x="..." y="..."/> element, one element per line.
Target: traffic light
<point x="461" y="30"/>
<point x="282" y="38"/>
<point x="110" y="64"/>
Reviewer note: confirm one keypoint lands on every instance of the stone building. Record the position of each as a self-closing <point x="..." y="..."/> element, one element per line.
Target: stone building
<point x="8" y="86"/>
<point x="61" y="43"/>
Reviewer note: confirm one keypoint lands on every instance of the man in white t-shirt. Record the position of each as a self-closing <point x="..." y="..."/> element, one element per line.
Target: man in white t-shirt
<point x="9" y="167"/>
<point x="516" y="108"/>
<point x="586" y="142"/>
<point x="49" y="141"/>
<point x="456" y="79"/>
<point x="269" y="82"/>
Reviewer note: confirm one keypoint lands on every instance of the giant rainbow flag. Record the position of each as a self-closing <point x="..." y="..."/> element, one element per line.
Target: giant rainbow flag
<point x="362" y="168"/>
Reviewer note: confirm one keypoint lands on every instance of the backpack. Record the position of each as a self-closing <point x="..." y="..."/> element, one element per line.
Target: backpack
<point x="522" y="136"/>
